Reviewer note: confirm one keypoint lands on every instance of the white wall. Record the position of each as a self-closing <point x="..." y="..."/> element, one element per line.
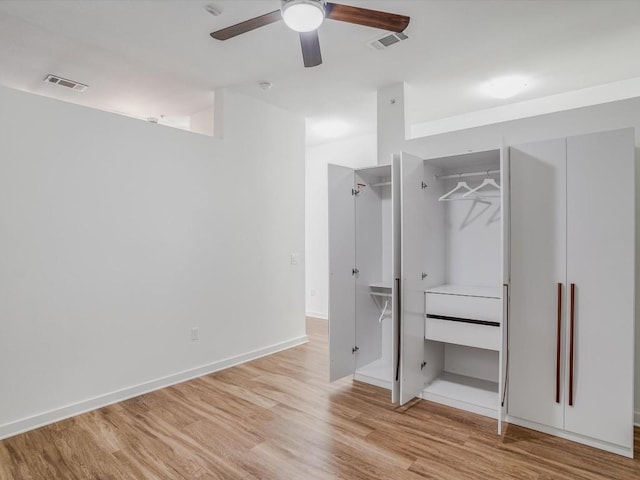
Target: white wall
<point x="118" y="236"/>
<point x="354" y="152"/>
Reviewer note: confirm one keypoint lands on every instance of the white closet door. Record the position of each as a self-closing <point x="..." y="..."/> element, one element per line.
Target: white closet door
<point x="342" y="309"/>
<point x="504" y="212"/>
<point x="413" y="235"/>
<point x="538" y="259"/>
<point x="600" y="262"/>
<point x="396" y="268"/>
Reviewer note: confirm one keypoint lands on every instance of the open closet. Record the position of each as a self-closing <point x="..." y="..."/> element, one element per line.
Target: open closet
<point x="362" y="311"/>
<point x="500" y="282"/>
<point x="452" y="274"/>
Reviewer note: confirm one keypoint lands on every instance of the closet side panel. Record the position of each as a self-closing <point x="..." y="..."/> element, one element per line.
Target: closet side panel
<point x="342" y="336"/>
<point x="538" y="265"/>
<point x="600" y="262"/>
<point x="369" y="264"/>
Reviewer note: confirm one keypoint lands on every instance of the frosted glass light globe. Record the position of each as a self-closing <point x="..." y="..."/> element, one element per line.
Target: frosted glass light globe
<point x="303" y="15"/>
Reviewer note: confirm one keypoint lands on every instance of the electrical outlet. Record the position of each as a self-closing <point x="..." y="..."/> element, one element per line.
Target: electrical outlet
<point x="313" y="293"/>
<point x="295" y="258"/>
<point x="194" y="333"/>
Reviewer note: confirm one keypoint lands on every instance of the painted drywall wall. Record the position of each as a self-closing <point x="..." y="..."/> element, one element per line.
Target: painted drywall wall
<point x="356" y="152"/>
<point x="118" y="236"/>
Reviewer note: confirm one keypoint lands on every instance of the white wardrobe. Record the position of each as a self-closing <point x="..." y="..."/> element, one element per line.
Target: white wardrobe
<point x="452" y="276"/>
<point x="362" y="285"/>
<point x="573" y="289"/>
<point x="511" y="279"/>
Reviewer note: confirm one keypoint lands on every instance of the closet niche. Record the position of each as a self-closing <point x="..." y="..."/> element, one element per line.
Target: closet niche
<point x="452" y="273"/>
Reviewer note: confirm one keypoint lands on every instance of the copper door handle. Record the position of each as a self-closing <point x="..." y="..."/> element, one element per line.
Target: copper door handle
<point x="571" y="342"/>
<point x="558" y="334"/>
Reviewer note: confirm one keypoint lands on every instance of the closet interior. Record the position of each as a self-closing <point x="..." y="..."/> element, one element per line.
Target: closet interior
<point x="462" y="280"/>
<point x="374" y="278"/>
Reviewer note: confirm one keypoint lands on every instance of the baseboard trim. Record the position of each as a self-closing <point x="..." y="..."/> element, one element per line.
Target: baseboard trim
<point x="72" y="410"/>
<point x="574" y="437"/>
<point x="636" y="418"/>
<point x="321" y="316"/>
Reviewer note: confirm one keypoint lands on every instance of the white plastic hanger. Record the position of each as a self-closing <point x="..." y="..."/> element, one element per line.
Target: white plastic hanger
<point x="487" y="182"/>
<point x="460" y="186"/>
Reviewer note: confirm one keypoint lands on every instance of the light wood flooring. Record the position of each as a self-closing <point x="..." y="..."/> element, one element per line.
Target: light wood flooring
<point x="279" y="418"/>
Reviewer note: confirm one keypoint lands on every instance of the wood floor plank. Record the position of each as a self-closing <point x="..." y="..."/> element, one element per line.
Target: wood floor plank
<point x="278" y="418"/>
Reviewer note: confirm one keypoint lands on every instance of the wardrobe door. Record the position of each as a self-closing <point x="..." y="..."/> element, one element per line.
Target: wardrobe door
<point x="342" y="292"/>
<point x="395" y="290"/>
<point x="413" y="238"/>
<point x="504" y="325"/>
<point x="538" y="290"/>
<point x="600" y="265"/>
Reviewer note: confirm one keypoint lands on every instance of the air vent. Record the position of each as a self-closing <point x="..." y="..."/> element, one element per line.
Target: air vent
<point x="78" y="87"/>
<point x="388" y="40"/>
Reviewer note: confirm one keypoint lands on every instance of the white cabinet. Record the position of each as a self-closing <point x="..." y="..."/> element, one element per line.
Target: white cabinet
<point x="362" y="283"/>
<point x="452" y="276"/>
<point x="572" y="288"/>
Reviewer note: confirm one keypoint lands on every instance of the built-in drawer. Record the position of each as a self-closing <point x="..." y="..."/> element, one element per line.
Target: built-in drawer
<point x="461" y="333"/>
<point x="464" y="316"/>
<point x="464" y="307"/>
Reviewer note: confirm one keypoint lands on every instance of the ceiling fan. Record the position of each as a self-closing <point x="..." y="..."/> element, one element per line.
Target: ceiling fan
<point x="305" y="16"/>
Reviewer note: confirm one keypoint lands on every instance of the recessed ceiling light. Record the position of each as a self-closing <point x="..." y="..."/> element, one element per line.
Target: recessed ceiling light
<point x="328" y="129"/>
<point x="505" y="87"/>
<point x="303" y="15"/>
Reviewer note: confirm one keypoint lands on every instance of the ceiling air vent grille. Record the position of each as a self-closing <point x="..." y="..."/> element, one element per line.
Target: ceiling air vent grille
<point x="78" y="87"/>
<point x="388" y="40"/>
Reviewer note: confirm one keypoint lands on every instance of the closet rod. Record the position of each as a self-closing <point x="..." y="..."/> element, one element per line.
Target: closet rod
<point x="470" y="174"/>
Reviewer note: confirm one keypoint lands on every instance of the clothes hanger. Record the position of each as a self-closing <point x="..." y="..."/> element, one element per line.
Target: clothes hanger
<point x="460" y="186"/>
<point x="487" y="182"/>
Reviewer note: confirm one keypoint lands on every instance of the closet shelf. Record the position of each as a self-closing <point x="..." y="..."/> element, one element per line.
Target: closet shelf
<point x="384" y="285"/>
<point x="459" y="391"/>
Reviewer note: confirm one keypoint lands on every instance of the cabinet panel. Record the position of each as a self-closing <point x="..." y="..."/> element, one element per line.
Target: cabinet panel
<point x="600" y="262"/>
<point x="396" y="267"/>
<point x="538" y="265"/>
<point x="413" y="237"/>
<point x="341" y="281"/>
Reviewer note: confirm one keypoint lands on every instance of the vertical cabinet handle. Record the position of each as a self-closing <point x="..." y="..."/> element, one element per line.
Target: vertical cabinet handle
<point x="558" y="335"/>
<point x="571" y="341"/>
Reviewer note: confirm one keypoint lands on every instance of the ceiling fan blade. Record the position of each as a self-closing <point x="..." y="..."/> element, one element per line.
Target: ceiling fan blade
<point x="369" y="18"/>
<point x="247" y="26"/>
<point x="310" y="48"/>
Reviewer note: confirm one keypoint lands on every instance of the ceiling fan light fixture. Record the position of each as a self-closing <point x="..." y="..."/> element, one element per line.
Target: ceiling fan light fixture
<point x="303" y="15"/>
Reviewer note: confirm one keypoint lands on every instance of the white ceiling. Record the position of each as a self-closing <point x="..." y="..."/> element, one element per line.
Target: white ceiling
<point x="152" y="58"/>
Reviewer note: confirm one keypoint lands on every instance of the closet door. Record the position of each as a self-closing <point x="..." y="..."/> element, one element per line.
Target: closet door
<point x="600" y="263"/>
<point x="537" y="289"/>
<point x="395" y="290"/>
<point x="504" y="326"/>
<point x="413" y="235"/>
<point x="342" y="291"/>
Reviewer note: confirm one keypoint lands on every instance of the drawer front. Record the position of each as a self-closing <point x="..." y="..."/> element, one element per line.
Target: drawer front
<point x="472" y="335"/>
<point x="461" y="306"/>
